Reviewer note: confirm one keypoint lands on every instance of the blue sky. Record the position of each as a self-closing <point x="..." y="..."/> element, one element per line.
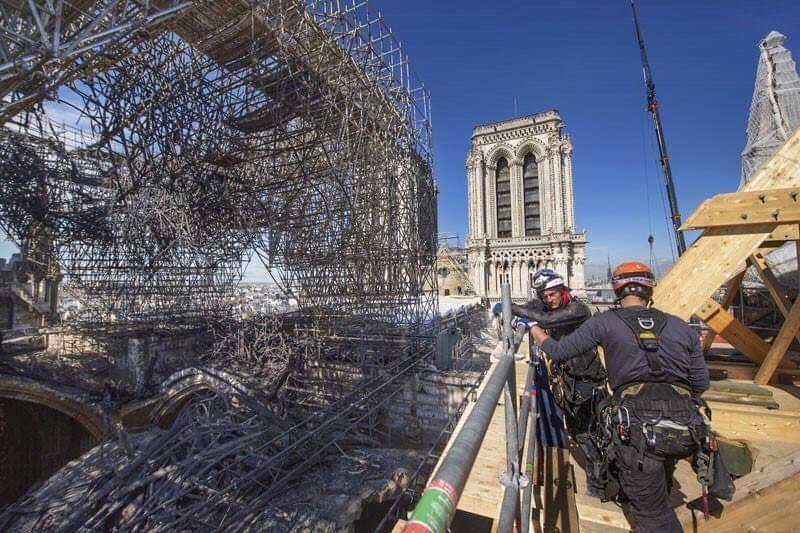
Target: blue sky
<point x="581" y="57"/>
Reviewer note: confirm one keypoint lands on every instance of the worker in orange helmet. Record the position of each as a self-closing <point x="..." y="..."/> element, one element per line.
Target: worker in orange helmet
<point x="655" y="416"/>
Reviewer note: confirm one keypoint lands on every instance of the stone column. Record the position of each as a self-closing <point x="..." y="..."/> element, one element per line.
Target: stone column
<point x="526" y="278"/>
<point x="477" y="277"/>
<point x="512" y="267"/>
<point x="472" y="206"/>
<point x="569" y="200"/>
<point x="545" y="209"/>
<point x="561" y="267"/>
<point x="491" y="202"/>
<point x="517" y="200"/>
<point x="558" y="197"/>
<point x="492" y="279"/>
<point x="480" y="192"/>
<point x="579" y="273"/>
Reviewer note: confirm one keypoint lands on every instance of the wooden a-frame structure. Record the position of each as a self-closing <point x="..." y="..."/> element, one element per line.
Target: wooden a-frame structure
<point x="739" y="230"/>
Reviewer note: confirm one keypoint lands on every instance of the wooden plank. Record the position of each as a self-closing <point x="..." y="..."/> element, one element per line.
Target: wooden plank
<point x="560" y="509"/>
<point x="755" y="423"/>
<point x="764" y="511"/>
<point x="747" y="371"/>
<point x="740" y="399"/>
<point x="735" y="387"/>
<point x="783" y="233"/>
<point x="782" y="170"/>
<point x="720" y="252"/>
<point x="779" y="346"/>
<point x="760" y="503"/>
<point x="727" y="301"/>
<point x="747" y="208"/>
<point x="597" y="519"/>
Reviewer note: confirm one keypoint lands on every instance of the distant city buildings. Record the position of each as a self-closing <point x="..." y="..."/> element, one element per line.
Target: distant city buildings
<point x="521" y="209"/>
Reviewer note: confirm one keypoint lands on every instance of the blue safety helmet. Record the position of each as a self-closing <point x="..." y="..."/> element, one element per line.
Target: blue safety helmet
<point x="547" y="279"/>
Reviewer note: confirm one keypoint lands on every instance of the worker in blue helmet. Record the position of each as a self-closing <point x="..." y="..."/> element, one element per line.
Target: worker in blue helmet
<point x="578" y="384"/>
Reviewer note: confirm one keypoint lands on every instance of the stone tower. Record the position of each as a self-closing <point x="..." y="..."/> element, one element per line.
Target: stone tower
<point x="521" y="212"/>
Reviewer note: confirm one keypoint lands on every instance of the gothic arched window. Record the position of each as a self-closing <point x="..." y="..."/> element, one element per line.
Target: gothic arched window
<point x="530" y="181"/>
<point x="503" y="193"/>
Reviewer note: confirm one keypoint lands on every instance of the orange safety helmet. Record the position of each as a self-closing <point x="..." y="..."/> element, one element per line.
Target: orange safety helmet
<point x="633" y="272"/>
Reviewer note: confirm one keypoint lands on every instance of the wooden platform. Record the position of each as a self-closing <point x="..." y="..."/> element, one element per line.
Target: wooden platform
<point x="773" y="434"/>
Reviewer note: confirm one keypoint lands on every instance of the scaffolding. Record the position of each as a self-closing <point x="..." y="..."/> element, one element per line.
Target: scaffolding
<point x="775" y="108"/>
<point x="208" y="131"/>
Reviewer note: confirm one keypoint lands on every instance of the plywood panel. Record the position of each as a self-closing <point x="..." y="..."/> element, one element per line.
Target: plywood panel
<point x="713" y="259"/>
<point x="752" y="423"/>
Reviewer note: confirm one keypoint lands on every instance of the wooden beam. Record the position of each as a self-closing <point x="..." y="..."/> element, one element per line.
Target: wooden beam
<point x="730" y="293"/>
<point x="747" y="371"/>
<point x="787" y="333"/>
<point x="725" y="324"/>
<point x="759" y="262"/>
<point x="782" y="170"/>
<point x="797" y="253"/>
<point x="746" y="208"/>
<point x="784" y="232"/>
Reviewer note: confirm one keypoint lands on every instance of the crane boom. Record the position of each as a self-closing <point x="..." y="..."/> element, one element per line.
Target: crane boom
<point x="652" y="107"/>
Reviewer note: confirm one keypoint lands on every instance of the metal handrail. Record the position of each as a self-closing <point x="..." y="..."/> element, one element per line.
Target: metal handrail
<point x="437" y="506"/>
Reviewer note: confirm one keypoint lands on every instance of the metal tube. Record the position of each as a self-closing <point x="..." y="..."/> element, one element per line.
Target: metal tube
<point x="530" y="455"/>
<point x="525" y="406"/>
<point x="438" y="503"/>
<point x="509" y="510"/>
<point x="508" y="334"/>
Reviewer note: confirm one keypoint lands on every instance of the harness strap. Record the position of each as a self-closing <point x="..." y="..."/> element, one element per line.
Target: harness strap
<point x="646" y="324"/>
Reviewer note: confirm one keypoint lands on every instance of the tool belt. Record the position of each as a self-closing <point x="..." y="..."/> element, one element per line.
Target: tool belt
<point x="657" y="419"/>
<point x="578" y="381"/>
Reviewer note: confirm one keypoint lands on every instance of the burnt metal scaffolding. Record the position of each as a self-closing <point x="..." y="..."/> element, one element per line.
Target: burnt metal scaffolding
<point x="206" y="131"/>
<point x="150" y="149"/>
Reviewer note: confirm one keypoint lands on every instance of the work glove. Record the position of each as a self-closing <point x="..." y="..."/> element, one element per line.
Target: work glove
<point x="522" y="322"/>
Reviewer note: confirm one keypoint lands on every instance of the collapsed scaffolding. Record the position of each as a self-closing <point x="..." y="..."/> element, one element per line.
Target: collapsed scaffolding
<point x="205" y="134"/>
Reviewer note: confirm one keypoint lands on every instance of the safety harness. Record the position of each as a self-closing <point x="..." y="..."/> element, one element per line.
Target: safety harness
<point x="578" y="380"/>
<point x="655" y="417"/>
